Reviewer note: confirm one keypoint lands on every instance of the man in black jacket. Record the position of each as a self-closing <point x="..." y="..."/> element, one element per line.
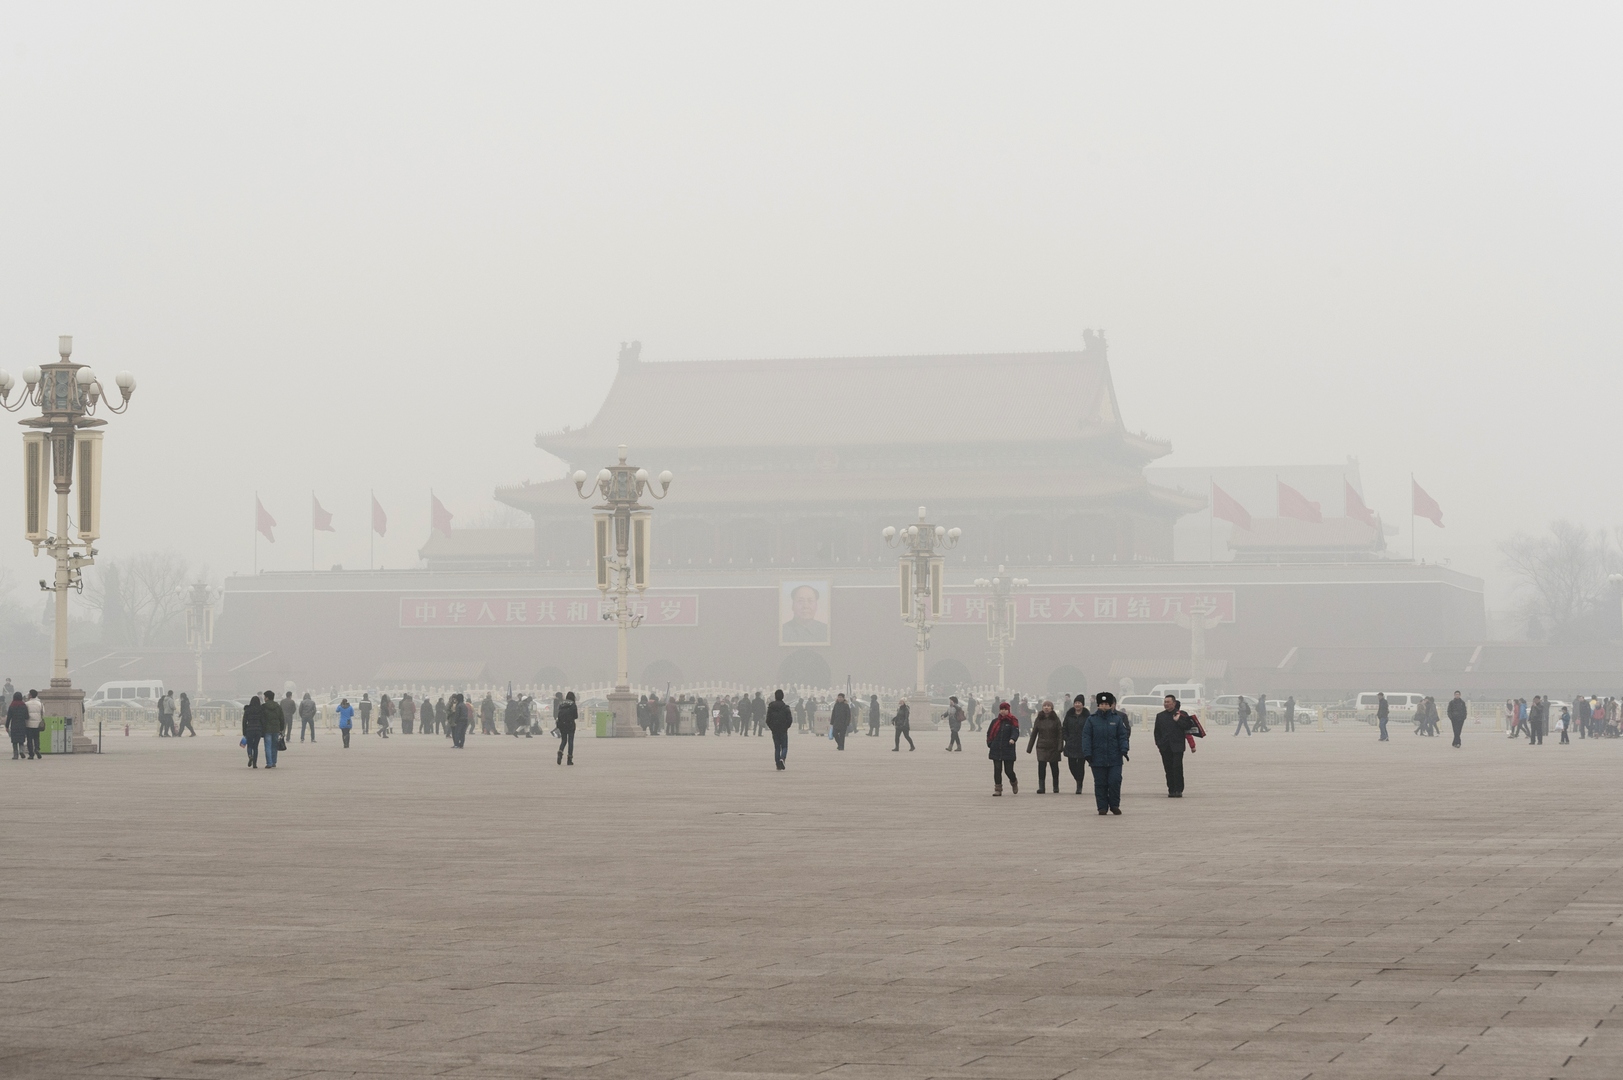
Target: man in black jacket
<point x="839" y="718"/>
<point x="1172" y="725"/>
<point x="1456" y="715"/>
<point x="779" y="718"/>
<point x="1071" y="733"/>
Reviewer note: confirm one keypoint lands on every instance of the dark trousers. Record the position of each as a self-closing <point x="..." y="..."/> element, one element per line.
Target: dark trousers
<point x="1172" y="761"/>
<point x="253" y="752"/>
<point x="780" y="747"/>
<point x="33" y="742"/>
<point x="1459" y="726"/>
<point x="902" y="733"/>
<point x="1107" y="786"/>
<point x="566" y="743"/>
<point x="405" y="725"/>
<point x="953" y="742"/>
<point x="459" y="734"/>
<point x="186" y="725"/>
<point x="311" y="724"/>
<point x="19" y="743"/>
<point x="1079" y="771"/>
<point x="1043" y="768"/>
<point x="1290" y="721"/>
<point x="1383" y="729"/>
<point x="1000" y="769"/>
<point x="345" y="733"/>
<point x="839" y="737"/>
<point x="366" y="723"/>
<point x="1563" y="737"/>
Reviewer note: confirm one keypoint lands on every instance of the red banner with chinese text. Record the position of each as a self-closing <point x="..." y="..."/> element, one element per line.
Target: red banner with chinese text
<point x="532" y="610"/>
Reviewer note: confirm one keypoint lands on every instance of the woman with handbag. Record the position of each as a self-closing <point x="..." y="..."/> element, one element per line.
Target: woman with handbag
<point x="253" y="729"/>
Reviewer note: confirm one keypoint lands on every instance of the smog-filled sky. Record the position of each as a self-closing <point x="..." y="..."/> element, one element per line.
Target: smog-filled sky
<point x="376" y="247"/>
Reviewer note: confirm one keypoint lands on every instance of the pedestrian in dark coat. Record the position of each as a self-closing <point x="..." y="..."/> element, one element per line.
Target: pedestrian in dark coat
<point x="275" y="724"/>
<point x="839" y="719"/>
<point x="1047" y="737"/>
<point x="779" y="719"/>
<point x="1243" y="717"/>
<point x="1172" y="728"/>
<point x="1105" y="736"/>
<point x="1071" y="732"/>
<point x="955" y="721"/>
<point x="1003" y="746"/>
<point x="17" y="724"/>
<point x="874" y="715"/>
<point x="564" y="719"/>
<point x="903" y="726"/>
<point x="253" y="729"/>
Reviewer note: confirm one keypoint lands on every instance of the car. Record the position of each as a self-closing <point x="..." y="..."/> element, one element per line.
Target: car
<point x="1396" y="700"/>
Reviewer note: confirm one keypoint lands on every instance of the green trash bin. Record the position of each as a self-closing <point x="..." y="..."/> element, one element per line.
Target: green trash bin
<point x="605" y="723"/>
<point x="52" y="736"/>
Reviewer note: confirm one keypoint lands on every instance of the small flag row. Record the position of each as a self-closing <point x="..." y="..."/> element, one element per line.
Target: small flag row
<point x="1293" y="504"/>
<point x="321" y="520"/>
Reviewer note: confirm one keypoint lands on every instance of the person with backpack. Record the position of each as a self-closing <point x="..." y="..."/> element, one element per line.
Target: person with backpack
<point x="1003" y="746"/>
<point x="1105" y="737"/>
<point x="1242" y="717"/>
<point x="346" y="720"/>
<point x="564" y="718"/>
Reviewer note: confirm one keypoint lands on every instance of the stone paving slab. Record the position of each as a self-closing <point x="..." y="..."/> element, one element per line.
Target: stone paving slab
<point x="1320" y="905"/>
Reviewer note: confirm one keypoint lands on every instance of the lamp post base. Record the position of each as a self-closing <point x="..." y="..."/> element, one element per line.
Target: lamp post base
<point x="623" y="703"/>
<point x="69" y="703"/>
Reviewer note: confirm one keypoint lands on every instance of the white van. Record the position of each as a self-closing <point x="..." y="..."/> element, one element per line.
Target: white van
<point x="1395" y="701"/>
<point x="1191" y="695"/>
<point x="130" y="692"/>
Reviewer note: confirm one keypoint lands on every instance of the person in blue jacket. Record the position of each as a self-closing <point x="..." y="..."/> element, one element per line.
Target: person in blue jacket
<point x="346" y="720"/>
<point x="1105" y="735"/>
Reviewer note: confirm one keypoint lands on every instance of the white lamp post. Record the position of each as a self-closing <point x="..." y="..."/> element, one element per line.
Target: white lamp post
<point x="1000" y="617"/>
<point x="200" y="598"/>
<point x="67" y="395"/>
<point x="922" y="580"/>
<point x="622" y="529"/>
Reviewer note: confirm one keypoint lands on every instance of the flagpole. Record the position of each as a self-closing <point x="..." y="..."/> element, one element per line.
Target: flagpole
<point x="371" y="534"/>
<point x="312" y="532"/>
<point x="1411" y="519"/>
<point x="256" y="534"/>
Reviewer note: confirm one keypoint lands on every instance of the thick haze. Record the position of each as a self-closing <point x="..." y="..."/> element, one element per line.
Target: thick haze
<point x="379" y="246"/>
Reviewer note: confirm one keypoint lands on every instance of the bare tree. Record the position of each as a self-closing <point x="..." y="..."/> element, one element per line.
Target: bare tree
<point x="137" y="597"/>
<point x="1563" y="577"/>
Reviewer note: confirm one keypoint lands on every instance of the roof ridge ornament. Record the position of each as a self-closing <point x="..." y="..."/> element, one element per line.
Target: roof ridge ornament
<point x="630" y="353"/>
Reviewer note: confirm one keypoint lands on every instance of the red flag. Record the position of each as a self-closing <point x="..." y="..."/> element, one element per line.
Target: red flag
<point x="1357" y="509"/>
<point x="440" y="515"/>
<point x="320" y="520"/>
<point x="263" y="522"/>
<point x="1225" y="508"/>
<point x="1293" y="503"/>
<point x="1425" y="506"/>
<point x="380" y="520"/>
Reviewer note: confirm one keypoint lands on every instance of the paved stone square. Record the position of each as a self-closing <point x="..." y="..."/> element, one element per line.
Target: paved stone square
<point x="1320" y="905"/>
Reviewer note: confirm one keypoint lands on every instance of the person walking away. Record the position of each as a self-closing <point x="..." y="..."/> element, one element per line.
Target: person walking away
<point x="487" y="715"/>
<point x="972" y="709"/>
<point x="307" y="716"/>
<point x="839" y="720"/>
<point x="1290" y="713"/>
<point x="36" y="720"/>
<point x="1456" y="715"/>
<point x="1563" y="722"/>
<point x="1047" y="737"/>
<point x="253" y="729"/>
<point x="346" y="720"/>
<point x="272" y="725"/>
<point x="955" y="721"/>
<point x="17" y="725"/>
<point x="1105" y="737"/>
<point x="1173" y="727"/>
<point x="1382" y="711"/>
<point x="873" y="714"/>
<point x="185" y="717"/>
<point x="463" y="720"/>
<point x="779" y="719"/>
<point x="1003" y="746"/>
<point x="1242" y="717"/>
<point x="1071" y="731"/>
<point x="1262" y="712"/>
<point x="385" y="714"/>
<point x="364" y="707"/>
<point x="408" y="713"/>
<point x="290" y="711"/>
<point x="166" y="716"/>
<point x="701" y="716"/>
<point x="1538" y="720"/>
<point x="565" y="718"/>
<point x="673" y="716"/>
<point x="903" y="726"/>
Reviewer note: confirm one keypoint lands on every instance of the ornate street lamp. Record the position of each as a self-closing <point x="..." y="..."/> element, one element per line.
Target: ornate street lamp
<point x="922" y="578"/>
<point x="1000" y="617"/>
<point x="67" y="395"/>
<point x="621" y="527"/>
<point x="199" y="598"/>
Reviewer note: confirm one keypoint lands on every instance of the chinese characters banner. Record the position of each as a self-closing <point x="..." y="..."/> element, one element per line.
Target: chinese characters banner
<point x="445" y="612"/>
<point x="1089" y="606"/>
